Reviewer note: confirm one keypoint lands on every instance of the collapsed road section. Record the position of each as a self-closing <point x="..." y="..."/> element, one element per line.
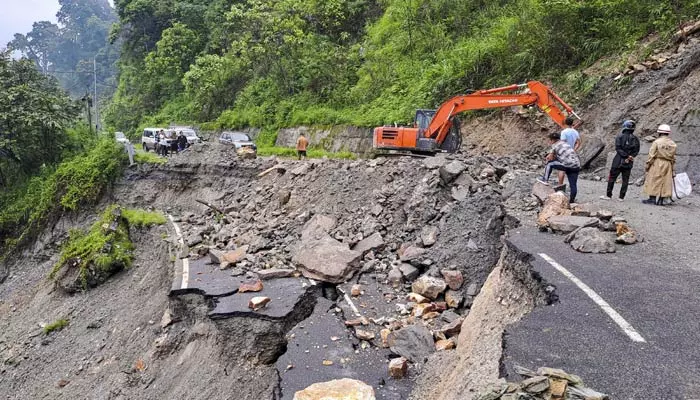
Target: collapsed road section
<point x="337" y="269"/>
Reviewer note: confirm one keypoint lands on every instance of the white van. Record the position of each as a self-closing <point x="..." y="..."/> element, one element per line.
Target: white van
<point x="148" y="139"/>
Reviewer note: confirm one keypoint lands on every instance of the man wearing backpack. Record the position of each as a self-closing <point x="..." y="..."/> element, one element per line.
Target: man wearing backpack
<point x="626" y="149"/>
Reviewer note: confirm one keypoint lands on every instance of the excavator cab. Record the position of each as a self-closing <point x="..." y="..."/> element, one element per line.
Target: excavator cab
<point x="422" y="121"/>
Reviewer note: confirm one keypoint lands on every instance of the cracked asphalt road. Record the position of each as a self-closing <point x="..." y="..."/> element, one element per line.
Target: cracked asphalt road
<point x="654" y="285"/>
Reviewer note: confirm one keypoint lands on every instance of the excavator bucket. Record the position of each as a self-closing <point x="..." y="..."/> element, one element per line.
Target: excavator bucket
<point x="453" y="140"/>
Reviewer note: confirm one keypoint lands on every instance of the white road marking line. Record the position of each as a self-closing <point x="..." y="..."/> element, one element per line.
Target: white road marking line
<point x="185" y="273"/>
<point x="185" y="261"/>
<point x="350" y="303"/>
<point x="621" y="322"/>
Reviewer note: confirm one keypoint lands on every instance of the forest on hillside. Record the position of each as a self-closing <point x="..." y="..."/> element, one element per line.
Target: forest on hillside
<point x="273" y="63"/>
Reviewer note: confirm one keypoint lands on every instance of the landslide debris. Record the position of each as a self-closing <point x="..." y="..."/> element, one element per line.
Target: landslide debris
<point x="511" y="291"/>
<point x="586" y="228"/>
<point x="412" y="240"/>
<point x="421" y="237"/>
<point x="543" y="384"/>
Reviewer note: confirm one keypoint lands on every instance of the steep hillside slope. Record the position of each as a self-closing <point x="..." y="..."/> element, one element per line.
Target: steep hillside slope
<point x="666" y="95"/>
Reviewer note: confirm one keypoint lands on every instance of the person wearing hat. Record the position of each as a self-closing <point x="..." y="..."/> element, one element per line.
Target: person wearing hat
<point x="659" y="167"/>
<point x="626" y="149"/>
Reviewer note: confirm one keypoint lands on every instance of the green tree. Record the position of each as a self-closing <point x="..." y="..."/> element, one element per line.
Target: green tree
<point x="34" y="113"/>
<point x="67" y="50"/>
<point x="165" y="66"/>
<point x="39" y="45"/>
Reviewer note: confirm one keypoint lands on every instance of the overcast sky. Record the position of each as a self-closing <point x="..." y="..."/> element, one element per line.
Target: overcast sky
<point x="17" y="16"/>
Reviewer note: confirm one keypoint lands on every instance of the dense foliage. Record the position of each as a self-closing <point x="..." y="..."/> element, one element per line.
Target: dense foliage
<point x="34" y="114"/>
<point x="66" y="50"/>
<point x="269" y="63"/>
<point x="49" y="162"/>
<point x="80" y="180"/>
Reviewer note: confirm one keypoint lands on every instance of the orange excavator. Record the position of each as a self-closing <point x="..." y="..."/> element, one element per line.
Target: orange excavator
<point x="437" y="131"/>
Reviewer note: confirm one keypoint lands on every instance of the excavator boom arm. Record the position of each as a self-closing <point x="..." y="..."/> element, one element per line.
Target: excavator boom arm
<point x="531" y="93"/>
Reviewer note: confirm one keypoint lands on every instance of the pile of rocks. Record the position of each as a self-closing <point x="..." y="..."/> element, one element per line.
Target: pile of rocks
<point x="544" y="384"/>
<point x="423" y="234"/>
<point x="587" y="228"/>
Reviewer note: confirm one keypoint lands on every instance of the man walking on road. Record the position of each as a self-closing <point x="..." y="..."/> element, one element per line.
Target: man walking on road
<point x="302" y="144"/>
<point x="626" y="149"/>
<point x="572" y="138"/>
<point x="562" y="158"/>
<point x="662" y="160"/>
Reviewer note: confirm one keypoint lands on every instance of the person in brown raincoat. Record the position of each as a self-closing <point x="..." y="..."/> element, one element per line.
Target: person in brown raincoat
<point x="662" y="160"/>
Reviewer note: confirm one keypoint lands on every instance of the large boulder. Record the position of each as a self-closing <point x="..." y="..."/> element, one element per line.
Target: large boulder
<point x="435" y="162"/>
<point x="541" y="191"/>
<point x="317" y="226"/>
<point x="326" y="259"/>
<point x="569" y="223"/>
<point x="450" y="172"/>
<point x="429" y="286"/>
<point x="414" y="342"/>
<point x="339" y="389"/>
<point x="412" y="253"/>
<point x="556" y="204"/>
<point x="591" y="240"/>
<point x="374" y="242"/>
<point x="321" y="257"/>
<point x="429" y="235"/>
<point x="591" y="149"/>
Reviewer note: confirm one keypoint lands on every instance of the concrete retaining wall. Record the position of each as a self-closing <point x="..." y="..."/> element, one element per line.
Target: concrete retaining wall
<point x="335" y="138"/>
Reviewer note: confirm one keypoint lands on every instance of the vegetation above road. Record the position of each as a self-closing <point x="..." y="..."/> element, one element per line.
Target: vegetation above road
<point x="272" y="63"/>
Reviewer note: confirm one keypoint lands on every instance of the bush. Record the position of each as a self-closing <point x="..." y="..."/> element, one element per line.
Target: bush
<point x="149" y="158"/>
<point x="100" y="252"/>
<point x="289" y="152"/>
<point x="75" y="182"/>
<point x="56" y="326"/>
<point x="141" y="218"/>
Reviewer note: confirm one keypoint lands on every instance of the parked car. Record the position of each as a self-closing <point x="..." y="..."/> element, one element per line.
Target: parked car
<point x="191" y="135"/>
<point x="237" y="139"/>
<point x="189" y="132"/>
<point x="121" y="137"/>
<point x="148" y="139"/>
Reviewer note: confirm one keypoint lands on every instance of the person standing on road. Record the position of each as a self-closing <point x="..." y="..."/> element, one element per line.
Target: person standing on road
<point x="572" y="138"/>
<point x="626" y="149"/>
<point x="659" y="167"/>
<point x="302" y="144"/>
<point x="163" y="144"/>
<point x="562" y="158"/>
<point x="181" y="141"/>
<point x="156" y="144"/>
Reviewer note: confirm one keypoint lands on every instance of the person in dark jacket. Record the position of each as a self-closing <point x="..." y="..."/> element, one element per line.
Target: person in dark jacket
<point x="626" y="149"/>
<point x="181" y="141"/>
